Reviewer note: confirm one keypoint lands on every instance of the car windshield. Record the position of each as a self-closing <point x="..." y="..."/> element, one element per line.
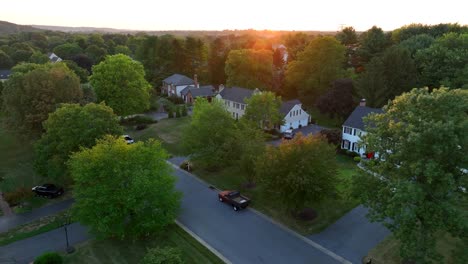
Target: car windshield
<point x="128" y="138"/>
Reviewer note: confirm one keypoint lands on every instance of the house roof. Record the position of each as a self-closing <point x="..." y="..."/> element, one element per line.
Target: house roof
<point x="355" y="119"/>
<point x="286" y="106"/>
<point x="179" y="79"/>
<point x="236" y="94"/>
<point x="202" y="91"/>
<point x="4" y="74"/>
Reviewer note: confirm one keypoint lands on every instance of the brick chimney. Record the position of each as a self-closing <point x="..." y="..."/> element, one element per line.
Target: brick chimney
<point x="195" y="80"/>
<point x="362" y="102"/>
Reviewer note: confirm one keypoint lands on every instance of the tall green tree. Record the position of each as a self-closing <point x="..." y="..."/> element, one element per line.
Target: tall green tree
<point x="120" y="82"/>
<point x="299" y="171"/>
<point x="421" y="142"/>
<point x="416" y="43"/>
<point x="315" y="68"/>
<point x="295" y="44"/>
<point x="263" y="109"/>
<point x="217" y="61"/>
<point x="339" y="100"/>
<point x="373" y="42"/>
<point x="347" y="36"/>
<point x="387" y="76"/>
<point x="250" y="68"/>
<point x="5" y="61"/>
<point x="68" y="50"/>
<point x="68" y="129"/>
<point x="96" y="53"/>
<point x="131" y="184"/>
<point x="33" y="91"/>
<point x="207" y="138"/>
<point x="445" y="62"/>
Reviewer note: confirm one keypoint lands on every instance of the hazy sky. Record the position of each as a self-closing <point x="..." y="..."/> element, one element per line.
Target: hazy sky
<point x="234" y="14"/>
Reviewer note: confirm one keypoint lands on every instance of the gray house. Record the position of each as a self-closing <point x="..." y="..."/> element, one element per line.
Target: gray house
<point x="175" y="83"/>
<point x="190" y="93"/>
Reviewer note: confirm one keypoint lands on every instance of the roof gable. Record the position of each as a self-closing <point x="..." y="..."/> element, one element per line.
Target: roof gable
<point x="286" y="106"/>
<point x="236" y="94"/>
<point x="355" y="120"/>
<point x="179" y="79"/>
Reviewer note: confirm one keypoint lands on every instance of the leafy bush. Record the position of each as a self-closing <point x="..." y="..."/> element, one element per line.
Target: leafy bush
<point x="17" y="196"/>
<point x="49" y="258"/>
<point x="333" y="136"/>
<point x="176" y="100"/>
<point x="170" y="113"/>
<point x="141" y="126"/>
<point x="184" y="110"/>
<point x="186" y="165"/>
<point x="178" y="111"/>
<point x="357" y="159"/>
<point x="165" y="255"/>
<point x="137" y="120"/>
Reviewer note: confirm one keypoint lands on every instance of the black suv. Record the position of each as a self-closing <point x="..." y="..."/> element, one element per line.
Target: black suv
<point x="48" y="190"/>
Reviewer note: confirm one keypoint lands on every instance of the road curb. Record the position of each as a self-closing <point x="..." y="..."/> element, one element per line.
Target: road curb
<point x="283" y="227"/>
<point x="201" y="241"/>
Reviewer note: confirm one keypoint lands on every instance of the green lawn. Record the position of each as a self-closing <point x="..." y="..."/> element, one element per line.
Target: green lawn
<point x="113" y="251"/>
<point x="387" y="252"/>
<point x="168" y="131"/>
<point x="328" y="210"/>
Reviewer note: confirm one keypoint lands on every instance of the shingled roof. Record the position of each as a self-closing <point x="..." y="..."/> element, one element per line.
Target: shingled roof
<point x="4" y="74"/>
<point x="236" y="94"/>
<point x="286" y="106"/>
<point x="202" y="91"/>
<point x="355" y="119"/>
<point x="179" y="79"/>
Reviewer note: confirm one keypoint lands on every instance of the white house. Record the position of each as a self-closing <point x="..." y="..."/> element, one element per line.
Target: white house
<point x="234" y="100"/>
<point x="234" y="97"/>
<point x="353" y="127"/>
<point x="294" y="115"/>
<point x="174" y="84"/>
<point x="53" y="57"/>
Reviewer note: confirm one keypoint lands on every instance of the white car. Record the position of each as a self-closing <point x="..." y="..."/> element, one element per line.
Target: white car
<point x="288" y="134"/>
<point x="128" y="139"/>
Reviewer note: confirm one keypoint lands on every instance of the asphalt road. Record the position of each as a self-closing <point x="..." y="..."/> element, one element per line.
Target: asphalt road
<point x="24" y="251"/>
<point x="310" y="129"/>
<point x="8" y="222"/>
<point x="352" y="236"/>
<point x="242" y="237"/>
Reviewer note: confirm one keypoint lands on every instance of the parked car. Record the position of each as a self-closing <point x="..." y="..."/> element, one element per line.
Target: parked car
<point x="235" y="199"/>
<point x="48" y="190"/>
<point x="289" y="134"/>
<point x="128" y="139"/>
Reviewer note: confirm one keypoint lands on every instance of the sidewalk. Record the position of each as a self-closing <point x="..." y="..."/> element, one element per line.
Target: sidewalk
<point x="8" y="222"/>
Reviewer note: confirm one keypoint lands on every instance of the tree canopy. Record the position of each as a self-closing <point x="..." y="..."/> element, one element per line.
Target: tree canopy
<point x="126" y="92"/>
<point x="339" y="100"/>
<point x="131" y="184"/>
<point x="315" y="68"/>
<point x="421" y="142"/>
<point x="33" y="91"/>
<point x="250" y="68"/>
<point x="68" y="129"/>
<point x="207" y="138"/>
<point x="299" y="171"/>
<point x="263" y="109"/>
<point x="347" y="36"/>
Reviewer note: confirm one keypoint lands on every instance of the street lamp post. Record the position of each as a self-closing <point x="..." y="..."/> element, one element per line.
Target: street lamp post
<point x="69" y="249"/>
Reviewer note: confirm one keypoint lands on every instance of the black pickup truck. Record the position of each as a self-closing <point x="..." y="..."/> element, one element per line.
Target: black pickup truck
<point x="235" y="199"/>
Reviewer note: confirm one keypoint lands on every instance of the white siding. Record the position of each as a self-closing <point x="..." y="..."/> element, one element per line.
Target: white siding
<point x="352" y="136"/>
<point x="295" y="118"/>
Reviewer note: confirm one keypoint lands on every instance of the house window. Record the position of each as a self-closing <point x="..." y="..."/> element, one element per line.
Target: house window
<point x="300" y="111"/>
<point x="354" y="132"/>
<point x="290" y="114"/>
<point x="347" y="130"/>
<point x="237" y="116"/>
<point x="345" y="144"/>
<point x="242" y="107"/>
<point x="233" y="114"/>
<point x="355" y="147"/>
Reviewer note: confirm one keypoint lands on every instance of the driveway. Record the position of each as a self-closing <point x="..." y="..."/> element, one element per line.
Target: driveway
<point x="156" y="115"/>
<point x="242" y="237"/>
<point x="352" y="236"/>
<point x="310" y="129"/>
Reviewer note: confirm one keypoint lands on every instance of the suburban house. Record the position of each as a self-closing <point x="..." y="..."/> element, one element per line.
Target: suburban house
<point x="234" y="97"/>
<point x="190" y="93"/>
<point x="234" y="100"/>
<point x="4" y="75"/>
<point x="53" y="57"/>
<point x="294" y="115"/>
<point x="174" y="84"/>
<point x="353" y="127"/>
